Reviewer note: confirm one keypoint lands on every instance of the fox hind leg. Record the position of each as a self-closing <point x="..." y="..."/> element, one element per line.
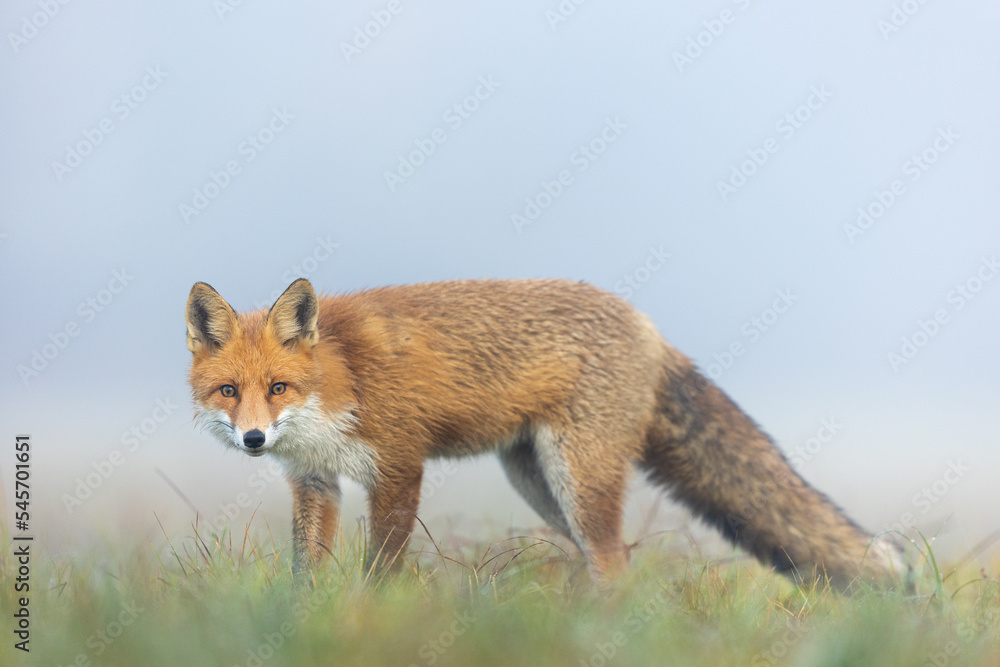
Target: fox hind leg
<point x="520" y="463"/>
<point x="589" y="488"/>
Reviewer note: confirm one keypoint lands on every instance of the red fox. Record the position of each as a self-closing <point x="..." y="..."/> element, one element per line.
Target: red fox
<point x="569" y="385"/>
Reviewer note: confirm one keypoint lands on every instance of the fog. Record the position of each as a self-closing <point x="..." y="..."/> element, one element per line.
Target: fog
<point x="802" y="198"/>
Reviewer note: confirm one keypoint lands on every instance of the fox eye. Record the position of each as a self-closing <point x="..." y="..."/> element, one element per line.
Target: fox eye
<point x="278" y="388"/>
<point x="227" y="390"/>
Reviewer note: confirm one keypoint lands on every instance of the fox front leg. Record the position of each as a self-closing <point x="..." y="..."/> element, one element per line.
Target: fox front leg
<point x="315" y="517"/>
<point x="393" y="503"/>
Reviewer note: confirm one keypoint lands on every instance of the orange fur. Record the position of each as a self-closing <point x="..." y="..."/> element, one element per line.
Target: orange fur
<point x="570" y="385"/>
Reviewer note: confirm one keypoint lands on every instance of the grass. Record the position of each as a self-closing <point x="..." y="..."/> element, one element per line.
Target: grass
<point x="229" y="599"/>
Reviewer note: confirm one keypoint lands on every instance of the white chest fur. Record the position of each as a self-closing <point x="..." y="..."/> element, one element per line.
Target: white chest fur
<point x="311" y="441"/>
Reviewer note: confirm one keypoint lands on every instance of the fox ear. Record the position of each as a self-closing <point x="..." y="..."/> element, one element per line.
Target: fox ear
<point x="210" y="320"/>
<point x="294" y="316"/>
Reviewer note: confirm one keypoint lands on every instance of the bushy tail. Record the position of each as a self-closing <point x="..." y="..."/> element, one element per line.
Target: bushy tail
<point x="718" y="462"/>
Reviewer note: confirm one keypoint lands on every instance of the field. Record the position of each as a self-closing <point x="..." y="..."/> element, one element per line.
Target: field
<point x="229" y="599"/>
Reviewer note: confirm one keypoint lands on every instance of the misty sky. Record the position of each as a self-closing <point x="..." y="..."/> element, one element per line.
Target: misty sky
<point x="803" y="198"/>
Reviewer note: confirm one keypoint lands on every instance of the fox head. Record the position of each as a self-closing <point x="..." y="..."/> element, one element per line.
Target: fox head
<point x="256" y="377"/>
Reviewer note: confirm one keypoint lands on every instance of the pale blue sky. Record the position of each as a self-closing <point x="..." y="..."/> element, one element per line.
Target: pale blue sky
<point x="308" y="135"/>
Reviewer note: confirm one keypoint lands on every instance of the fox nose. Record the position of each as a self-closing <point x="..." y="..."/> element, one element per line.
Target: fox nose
<point x="254" y="439"/>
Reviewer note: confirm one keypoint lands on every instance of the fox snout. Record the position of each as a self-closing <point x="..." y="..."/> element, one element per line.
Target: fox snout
<point x="253" y="439"/>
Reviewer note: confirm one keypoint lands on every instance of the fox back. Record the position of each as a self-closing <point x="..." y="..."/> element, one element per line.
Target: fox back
<point x="569" y="385"/>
